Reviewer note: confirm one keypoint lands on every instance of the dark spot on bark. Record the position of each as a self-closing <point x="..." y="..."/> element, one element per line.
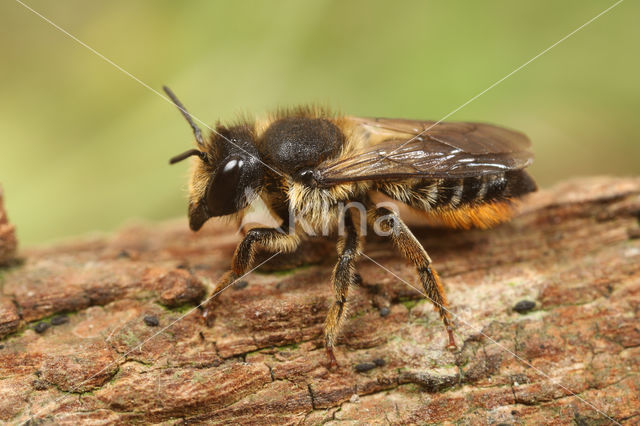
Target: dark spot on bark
<point x="581" y="420"/>
<point x="41" y="327"/>
<point x="182" y="266"/>
<point x="59" y="320"/>
<point x="514" y="412"/>
<point x="379" y="362"/>
<point x="39" y="384"/>
<point x="365" y="366"/>
<point x="634" y="233"/>
<point x="431" y="383"/>
<point x="151" y="320"/>
<point x="475" y="338"/>
<point x="124" y="254"/>
<point x="384" y="311"/>
<point x="524" y="306"/>
<point x="1" y="346"/>
<point x="240" y="285"/>
<point x="520" y="379"/>
<point x="374" y="288"/>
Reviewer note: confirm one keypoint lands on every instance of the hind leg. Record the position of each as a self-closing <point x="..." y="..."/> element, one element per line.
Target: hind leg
<point x="411" y="249"/>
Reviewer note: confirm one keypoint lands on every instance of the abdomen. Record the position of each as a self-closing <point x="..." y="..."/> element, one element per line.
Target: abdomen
<point x="480" y="201"/>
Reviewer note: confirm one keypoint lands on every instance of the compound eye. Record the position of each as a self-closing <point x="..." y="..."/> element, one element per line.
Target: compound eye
<point x="224" y="190"/>
<point x="231" y="168"/>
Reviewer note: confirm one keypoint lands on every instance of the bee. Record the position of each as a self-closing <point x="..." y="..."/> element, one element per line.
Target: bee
<point x="307" y="163"/>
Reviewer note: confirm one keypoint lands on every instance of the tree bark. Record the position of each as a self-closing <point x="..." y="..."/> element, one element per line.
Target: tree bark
<point x="546" y="307"/>
<point x="8" y="241"/>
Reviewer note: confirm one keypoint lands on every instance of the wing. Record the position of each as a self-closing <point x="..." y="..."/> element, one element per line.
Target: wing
<point x="396" y="148"/>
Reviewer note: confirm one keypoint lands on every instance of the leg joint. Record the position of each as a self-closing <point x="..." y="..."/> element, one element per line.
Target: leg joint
<point x="383" y="211"/>
<point x="348" y="254"/>
<point x="425" y="269"/>
<point x="257" y="234"/>
<point x="387" y="219"/>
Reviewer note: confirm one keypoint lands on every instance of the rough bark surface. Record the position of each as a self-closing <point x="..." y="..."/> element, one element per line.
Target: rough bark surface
<point x="8" y="241"/>
<point x="546" y="309"/>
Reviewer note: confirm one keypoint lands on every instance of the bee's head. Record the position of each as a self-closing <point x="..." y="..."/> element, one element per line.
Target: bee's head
<point x="227" y="174"/>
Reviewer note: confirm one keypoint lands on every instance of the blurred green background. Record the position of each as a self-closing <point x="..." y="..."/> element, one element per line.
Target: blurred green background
<point x="83" y="147"/>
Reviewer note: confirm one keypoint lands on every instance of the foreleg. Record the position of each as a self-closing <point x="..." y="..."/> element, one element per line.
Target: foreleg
<point x="272" y="239"/>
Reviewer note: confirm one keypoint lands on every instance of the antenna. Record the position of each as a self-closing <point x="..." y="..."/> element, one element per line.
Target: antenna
<point x="196" y="130"/>
<point x="188" y="154"/>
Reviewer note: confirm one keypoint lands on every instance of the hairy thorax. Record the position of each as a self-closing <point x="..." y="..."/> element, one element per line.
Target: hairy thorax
<point x="320" y="208"/>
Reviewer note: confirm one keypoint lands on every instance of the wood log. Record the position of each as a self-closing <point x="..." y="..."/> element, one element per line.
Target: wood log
<point x="8" y="241"/>
<point x="107" y="329"/>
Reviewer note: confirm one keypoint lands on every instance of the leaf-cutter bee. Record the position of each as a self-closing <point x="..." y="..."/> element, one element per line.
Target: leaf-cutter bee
<point x="307" y="162"/>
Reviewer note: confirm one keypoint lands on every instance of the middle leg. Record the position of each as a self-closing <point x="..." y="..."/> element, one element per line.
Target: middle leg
<point x="344" y="276"/>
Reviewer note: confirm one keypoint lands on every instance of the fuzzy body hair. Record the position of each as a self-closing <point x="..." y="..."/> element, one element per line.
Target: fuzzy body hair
<point x="319" y="206"/>
<point x="314" y="169"/>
